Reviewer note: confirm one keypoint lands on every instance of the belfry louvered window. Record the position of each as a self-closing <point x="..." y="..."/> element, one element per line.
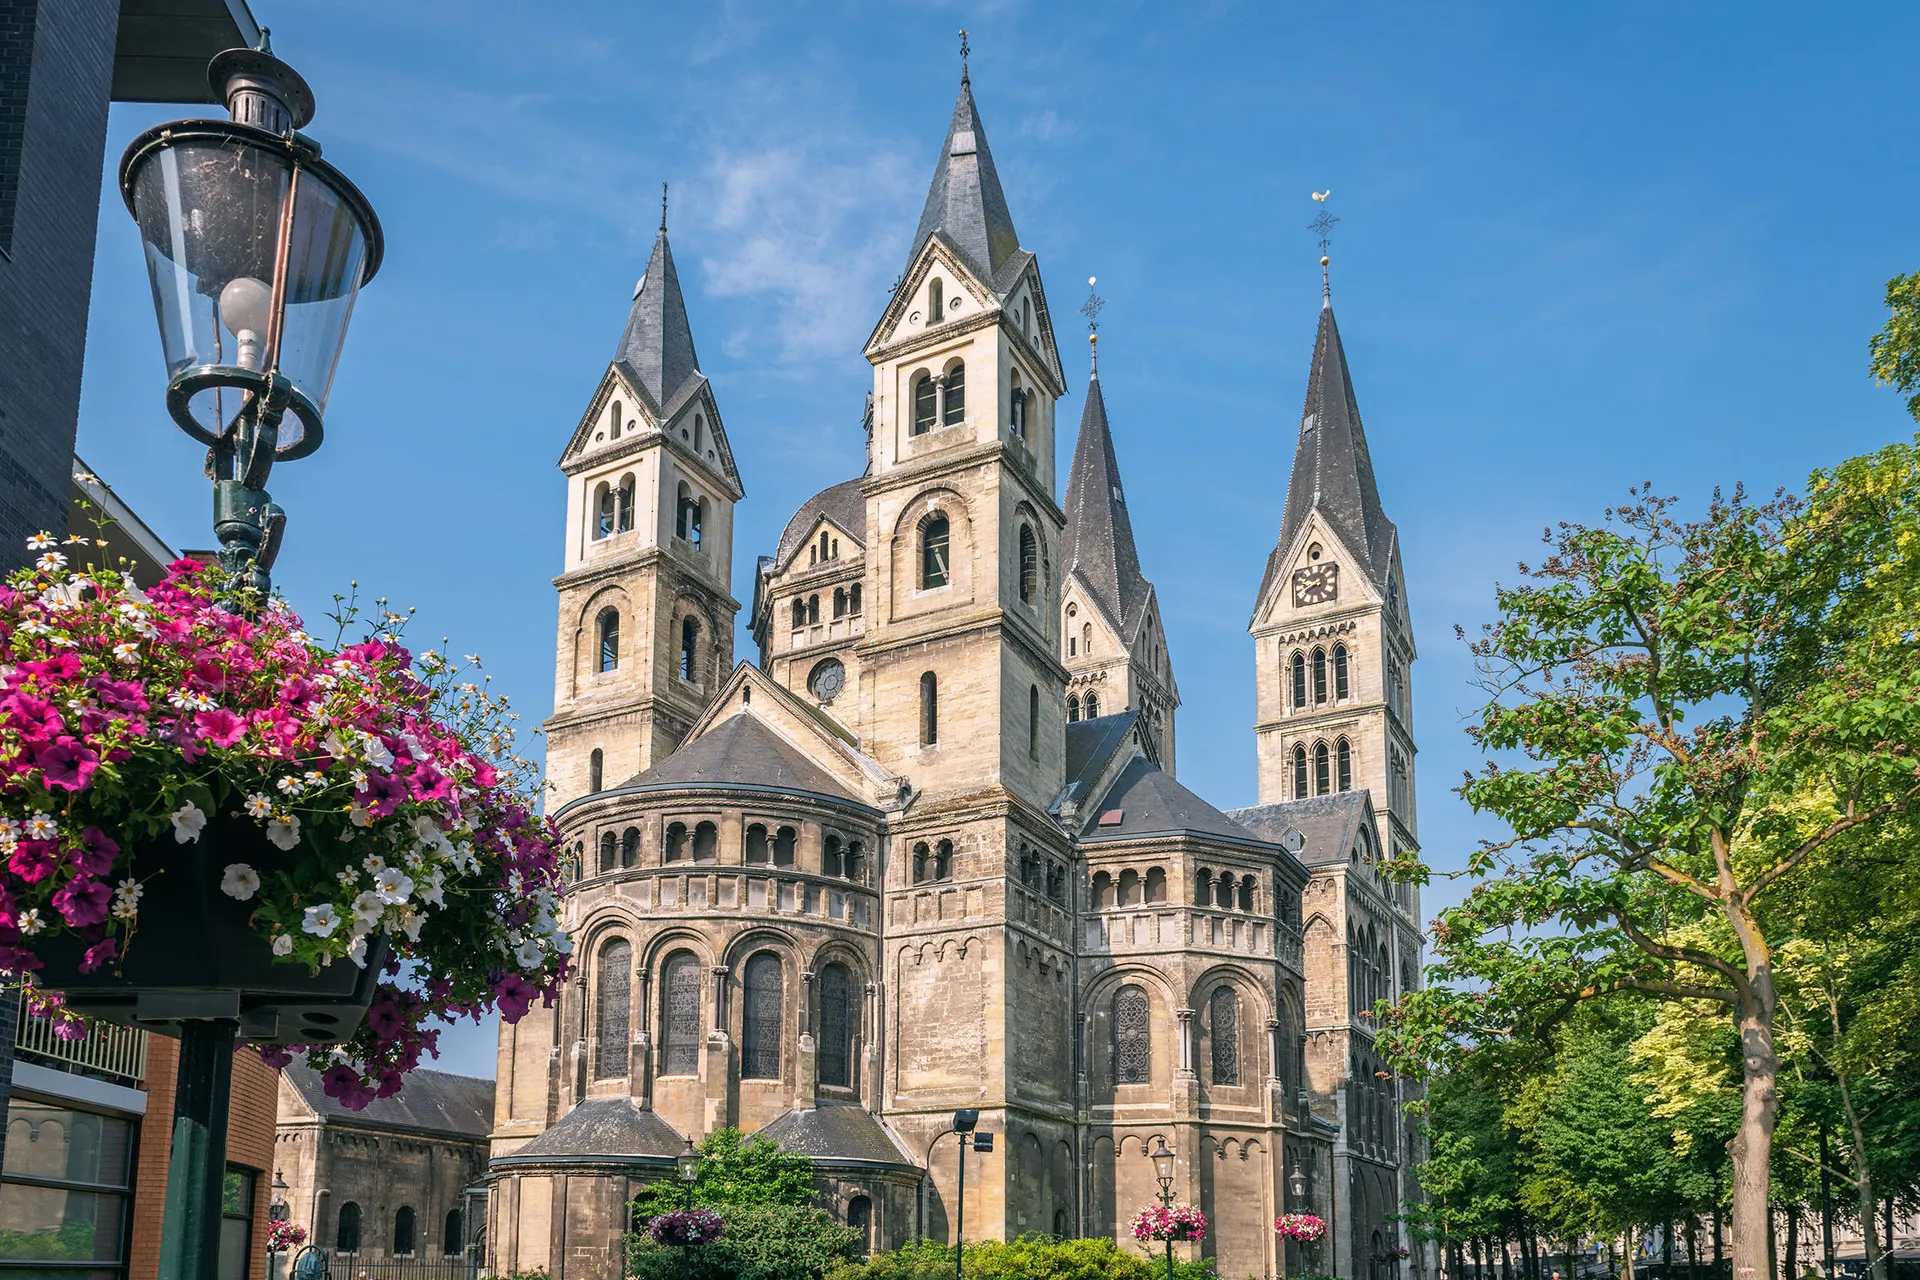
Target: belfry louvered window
<point x="926" y="405"/>
<point x="680" y="1030"/>
<point x="1299" y="680"/>
<point x="1300" y="773"/>
<point x="953" y="403"/>
<point x="1340" y="682"/>
<point x="614" y="1013"/>
<point x="1223" y="1033"/>
<point x="1029" y="565"/>
<point x="1132" y="1037"/>
<point x="836" y="1026"/>
<point x="761" y="1018"/>
<point x="935" y="533"/>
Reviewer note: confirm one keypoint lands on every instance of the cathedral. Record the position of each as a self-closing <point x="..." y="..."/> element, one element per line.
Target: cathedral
<point x="927" y="852"/>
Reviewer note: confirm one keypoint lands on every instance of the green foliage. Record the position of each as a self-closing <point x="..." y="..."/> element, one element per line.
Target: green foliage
<point x="736" y="1171"/>
<point x="1024" y="1258"/>
<point x="1894" y="353"/>
<point x="534" y="1273"/>
<point x="68" y="1242"/>
<point x="765" y="1241"/>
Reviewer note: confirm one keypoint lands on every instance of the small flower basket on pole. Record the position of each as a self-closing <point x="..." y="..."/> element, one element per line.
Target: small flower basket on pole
<point x="684" y="1227"/>
<point x="1177" y="1223"/>
<point x="1302" y="1229"/>
<point x="285" y="1236"/>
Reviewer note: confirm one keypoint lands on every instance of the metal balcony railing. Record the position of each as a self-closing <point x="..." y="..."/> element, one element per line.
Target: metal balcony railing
<point x="119" y="1052"/>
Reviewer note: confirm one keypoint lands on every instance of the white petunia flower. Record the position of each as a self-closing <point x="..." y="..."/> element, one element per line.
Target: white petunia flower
<point x="368" y="907"/>
<point x="528" y="954"/>
<point x="393" y="885"/>
<point x="283" y="944"/>
<point x="357" y="952"/>
<point x="242" y="881"/>
<point x="359" y="816"/>
<point x="433" y="889"/>
<point x="189" y="820"/>
<point x="258" y="806"/>
<point x="284" y="833"/>
<point x="321" y="921"/>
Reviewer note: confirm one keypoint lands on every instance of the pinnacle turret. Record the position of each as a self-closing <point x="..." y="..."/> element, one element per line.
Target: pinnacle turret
<point x="964" y="202"/>
<point x="656" y="348"/>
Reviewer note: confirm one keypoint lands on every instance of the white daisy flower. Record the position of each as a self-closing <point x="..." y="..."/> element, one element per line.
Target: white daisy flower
<point x="321" y="921"/>
<point x="358" y="778"/>
<point x="127" y="651"/>
<point x="41" y="826"/>
<point x="290" y="786"/>
<point x="30" y="921"/>
<point x="51" y="562"/>
<point x="373" y="864"/>
<point x="241" y="881"/>
<point x="258" y="806"/>
<point x="40" y="541"/>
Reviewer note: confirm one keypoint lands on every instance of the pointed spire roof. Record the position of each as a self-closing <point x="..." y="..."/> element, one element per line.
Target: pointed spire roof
<point x="1099" y="542"/>
<point x="1332" y="471"/>
<point x="656" y="348"/>
<point x="965" y="203"/>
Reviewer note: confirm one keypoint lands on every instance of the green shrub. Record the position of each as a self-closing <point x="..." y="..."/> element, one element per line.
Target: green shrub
<point x="737" y="1171"/>
<point x="761" y="1242"/>
<point x="1025" y="1258"/>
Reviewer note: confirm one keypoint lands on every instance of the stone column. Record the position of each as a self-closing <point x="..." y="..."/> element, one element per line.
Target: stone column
<point x="719" y="1056"/>
<point x="640" y="1054"/>
<point x="578" y="1064"/>
<point x="1186" y="1081"/>
<point x="809" y="1067"/>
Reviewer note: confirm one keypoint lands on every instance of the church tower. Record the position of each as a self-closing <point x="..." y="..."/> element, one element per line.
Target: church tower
<point x="646" y="607"/>
<point x="1332" y="641"/>
<point x="1112" y="640"/>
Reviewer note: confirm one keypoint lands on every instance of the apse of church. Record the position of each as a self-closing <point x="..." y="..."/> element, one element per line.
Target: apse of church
<point x="928" y="852"/>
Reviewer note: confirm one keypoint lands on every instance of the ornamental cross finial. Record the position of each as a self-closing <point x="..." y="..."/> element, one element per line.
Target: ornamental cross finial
<point x="663" y="206"/>
<point x="964" y="50"/>
<point x="1091" y="310"/>
<point x="1322" y="225"/>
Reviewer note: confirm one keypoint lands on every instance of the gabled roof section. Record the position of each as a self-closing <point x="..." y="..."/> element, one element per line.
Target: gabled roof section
<point x="844" y="504"/>
<point x="1332" y="470"/>
<point x="964" y="202"/>
<point x="1099" y="543"/>
<point x="1091" y="746"/>
<point x="430" y="1102"/>
<point x="1149" y="802"/>
<point x="1328" y="825"/>
<point x="656" y="348"/>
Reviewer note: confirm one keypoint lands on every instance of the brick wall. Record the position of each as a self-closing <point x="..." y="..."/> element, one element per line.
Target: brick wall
<point x="56" y="68"/>
<point x="250" y="1121"/>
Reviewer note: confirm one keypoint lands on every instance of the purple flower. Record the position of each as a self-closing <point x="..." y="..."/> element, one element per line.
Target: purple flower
<point x="277" y="1056"/>
<point x="344" y="1085"/>
<point x="384" y="1019"/>
<point x="220" y="727"/>
<point x="382" y="794"/>
<point x="515" y="995"/>
<point x="33" y="860"/>
<point x="34" y="718"/>
<point x="83" y="902"/>
<point x="97" y="954"/>
<point x="96" y="854"/>
<point x="67" y="765"/>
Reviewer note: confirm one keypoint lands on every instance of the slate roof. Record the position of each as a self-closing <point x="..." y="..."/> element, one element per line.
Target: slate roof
<point x="656" y="347"/>
<point x="842" y="503"/>
<point x="1150" y="803"/>
<point x="1090" y="745"/>
<point x="600" y="1130"/>
<point x="1099" y="543"/>
<point x="1332" y="471"/>
<point x="835" y="1133"/>
<point x="741" y="751"/>
<point x="1330" y="824"/>
<point x="965" y="204"/>
<point x="435" y="1102"/>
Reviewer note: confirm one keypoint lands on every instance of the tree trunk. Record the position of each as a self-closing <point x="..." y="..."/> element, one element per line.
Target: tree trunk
<point x="1693" y="1246"/>
<point x="1862" y="1181"/>
<point x="1826" y="1203"/>
<point x="1506" y="1257"/>
<point x="1630" y="1251"/>
<point x="1666" y="1250"/>
<point x="1719" y="1236"/>
<point x="1793" y="1242"/>
<point x="1752" y="1146"/>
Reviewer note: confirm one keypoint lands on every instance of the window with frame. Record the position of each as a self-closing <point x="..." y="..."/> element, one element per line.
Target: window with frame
<point x="929" y="709"/>
<point x="689" y="649"/>
<point x="237" y="1192"/>
<point x="680" y="1016"/>
<point x="1092" y="706"/>
<point x="1300" y="791"/>
<point x="1033" y="722"/>
<point x="403" y="1231"/>
<point x="838" y="1020"/>
<point x="604" y="513"/>
<point x="67" y="1189"/>
<point x="936" y="301"/>
<point x="596" y="767"/>
<point x="453" y="1240"/>
<point x="1073" y="708"/>
<point x="1223" y="1035"/>
<point x="346" y="1235"/>
<point x="1320" y="769"/>
<point x="630" y="847"/>
<point x="762" y="1017"/>
<point x="1132" y="1036"/>
<point x="613" y="1013"/>
<point x="1319" y="675"/>
<point x="1029" y="565"/>
<point x="1340" y="683"/>
<point x="626" y="504"/>
<point x="1343" y="756"/>
<point x="953" y="399"/>
<point x="609" y="640"/>
<point x="935" y="536"/>
<point x="1299" y="680"/>
<point x="926" y="405"/>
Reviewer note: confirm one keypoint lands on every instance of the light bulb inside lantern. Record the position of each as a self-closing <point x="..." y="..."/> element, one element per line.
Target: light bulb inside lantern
<point x="246" y="305"/>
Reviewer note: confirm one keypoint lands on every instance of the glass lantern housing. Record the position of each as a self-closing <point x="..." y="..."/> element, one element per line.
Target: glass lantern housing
<point x="256" y="249"/>
<point x="688" y="1162"/>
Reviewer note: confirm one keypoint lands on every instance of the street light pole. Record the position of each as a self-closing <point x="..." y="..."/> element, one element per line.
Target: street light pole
<point x="687" y="1163"/>
<point x="1298" y="1185"/>
<point x="965" y="1121"/>
<point x="1163" y="1163"/>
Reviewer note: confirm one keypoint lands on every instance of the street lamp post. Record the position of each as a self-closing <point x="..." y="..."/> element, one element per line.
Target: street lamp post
<point x="688" y="1164"/>
<point x="256" y="249"/>
<point x="965" y="1122"/>
<point x="1297" y="1183"/>
<point x="1163" y="1161"/>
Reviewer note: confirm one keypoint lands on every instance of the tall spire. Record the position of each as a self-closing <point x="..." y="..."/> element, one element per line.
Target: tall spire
<point x="1099" y="542"/>
<point x="656" y="347"/>
<point x="965" y="203"/>
<point x="1332" y="470"/>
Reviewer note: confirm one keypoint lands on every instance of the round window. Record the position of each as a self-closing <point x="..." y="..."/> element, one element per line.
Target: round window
<point x="826" y="679"/>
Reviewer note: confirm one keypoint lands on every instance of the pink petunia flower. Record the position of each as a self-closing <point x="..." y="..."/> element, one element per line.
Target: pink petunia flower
<point x="98" y="954"/>
<point x="67" y="764"/>
<point x="96" y="854"/>
<point x="34" y="860"/>
<point x="83" y="901"/>
<point x="220" y="727"/>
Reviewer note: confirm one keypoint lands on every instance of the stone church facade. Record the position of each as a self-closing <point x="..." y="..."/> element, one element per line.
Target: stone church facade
<point x="929" y="852"/>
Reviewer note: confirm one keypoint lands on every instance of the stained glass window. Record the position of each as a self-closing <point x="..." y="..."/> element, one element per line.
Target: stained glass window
<point x="836" y="1026"/>
<point x="761" y="1018"/>
<point x="1132" y="1037"/>
<point x="1224" y="1017"/>
<point x="681" y="1030"/>
<point x="614" y="1013"/>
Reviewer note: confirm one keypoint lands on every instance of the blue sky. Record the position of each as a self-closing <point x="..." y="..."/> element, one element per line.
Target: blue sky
<point x="1581" y="247"/>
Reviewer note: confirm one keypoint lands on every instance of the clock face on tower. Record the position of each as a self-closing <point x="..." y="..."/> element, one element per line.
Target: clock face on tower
<point x="1316" y="584"/>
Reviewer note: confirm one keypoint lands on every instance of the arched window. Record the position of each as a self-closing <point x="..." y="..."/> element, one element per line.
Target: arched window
<point x="756" y="847"/>
<point x="1300" y="773"/>
<point x="856" y="862"/>
<point x="929" y="709"/>
<point x="943" y="860"/>
<point x="1340" y="672"/>
<point x="1321" y="781"/>
<point x="706" y="842"/>
<point x="1033" y="722"/>
<point x="839" y="602"/>
<point x="1157" y="884"/>
<point x="1017" y="408"/>
<point x="1299" y="680"/>
<point x="1223" y="1034"/>
<point x="936" y="301"/>
<point x="839" y="1017"/>
<point x="799" y="613"/>
<point x="1246" y="893"/>
<point x="452" y="1240"/>
<point x="831" y="863"/>
<point x="613" y="1011"/>
<point x="853" y="598"/>
<point x="1029" y="565"/>
<point x="699" y="434"/>
<point x="783" y="842"/>
<point x="826" y="542"/>
<point x="626" y="503"/>
<point x="689" y="644"/>
<point x="1132" y="1037"/>
<point x="762" y="1018"/>
<point x="926" y="405"/>
<point x="1092" y="705"/>
<point x="1086" y="638"/>
<point x="1319" y="675"/>
<point x="920" y="855"/>
<point x="594" y="769"/>
<point x="1129" y="888"/>
<point x="860" y="1218"/>
<point x="346" y="1237"/>
<point x="934" y="535"/>
<point x="1203" y="888"/>
<point x="630" y="847"/>
<point x="676" y="846"/>
<point x="1223" y="891"/>
<point x="1344" y="762"/>
<point x="603" y="512"/>
<point x="680" y="1016"/>
<point x="613" y="432"/>
<point x="403" y="1231"/>
<point x="609" y="640"/>
<point x="1073" y="707"/>
<point x="683" y="508"/>
<point x="813" y="609"/>
<point x="609" y="851"/>
<point x="1102" y="890"/>
<point x="953" y="404"/>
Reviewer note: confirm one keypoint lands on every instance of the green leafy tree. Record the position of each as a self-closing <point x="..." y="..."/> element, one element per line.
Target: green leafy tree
<point x="760" y="1242"/>
<point x="1681" y="715"/>
<point x="1894" y="353"/>
<point x="1025" y="1258"/>
<point x="736" y="1170"/>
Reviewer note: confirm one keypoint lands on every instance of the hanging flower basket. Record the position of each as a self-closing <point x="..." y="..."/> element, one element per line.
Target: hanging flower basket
<point x="206" y="813"/>
<point x="282" y="1236"/>
<point x="686" y="1227"/>
<point x="1304" y="1228"/>
<point x="1181" y="1222"/>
